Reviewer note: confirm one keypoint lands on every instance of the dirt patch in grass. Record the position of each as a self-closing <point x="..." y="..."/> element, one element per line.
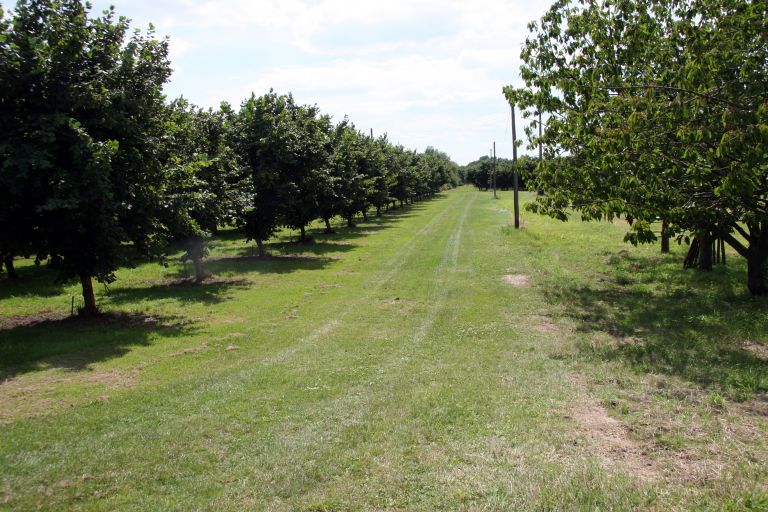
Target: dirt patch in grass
<point x="30" y="320"/>
<point x="757" y="349"/>
<point x="24" y="397"/>
<point x="403" y="305"/>
<point x="191" y="350"/>
<point x="546" y="328"/>
<point x="270" y="257"/>
<point x="609" y="440"/>
<point x="232" y="335"/>
<point x="211" y="280"/>
<point x="754" y="407"/>
<point x="517" y="280"/>
<point x="61" y="318"/>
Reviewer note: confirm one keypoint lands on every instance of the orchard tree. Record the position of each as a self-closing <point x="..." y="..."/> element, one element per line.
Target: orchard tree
<point x="347" y="162"/>
<point x="306" y="152"/>
<point x="403" y="162"/>
<point x="479" y="172"/>
<point x="261" y="131"/>
<point x="82" y="111"/>
<point x="379" y="179"/>
<point x="207" y="187"/>
<point x="284" y="147"/>
<point x="658" y="111"/>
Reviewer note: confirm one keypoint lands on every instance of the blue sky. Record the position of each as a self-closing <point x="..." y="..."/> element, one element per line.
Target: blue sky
<point x="426" y="72"/>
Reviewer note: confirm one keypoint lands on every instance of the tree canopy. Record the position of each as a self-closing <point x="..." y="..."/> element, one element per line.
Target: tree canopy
<point x="81" y="113"/>
<point x="96" y="165"/>
<point x="657" y="110"/>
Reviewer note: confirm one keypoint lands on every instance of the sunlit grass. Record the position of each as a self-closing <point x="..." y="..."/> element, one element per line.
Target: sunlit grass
<point x="390" y="367"/>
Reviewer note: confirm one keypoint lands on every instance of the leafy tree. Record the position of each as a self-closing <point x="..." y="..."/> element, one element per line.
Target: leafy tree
<point x="348" y="162"/>
<point x="379" y="179"/>
<point x="82" y="116"/>
<point x="439" y="171"/>
<point x="658" y="111"/>
<point x="261" y="132"/>
<point x="327" y="196"/>
<point x="402" y="162"/>
<point x="479" y="172"/>
<point x="306" y="155"/>
<point x="207" y="184"/>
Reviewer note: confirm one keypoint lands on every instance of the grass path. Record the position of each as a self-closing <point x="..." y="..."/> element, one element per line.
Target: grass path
<point x="391" y="367"/>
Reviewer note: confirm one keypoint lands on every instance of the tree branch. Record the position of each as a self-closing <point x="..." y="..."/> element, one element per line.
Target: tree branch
<point x="741" y="231"/>
<point x="675" y="89"/>
<point x="733" y="242"/>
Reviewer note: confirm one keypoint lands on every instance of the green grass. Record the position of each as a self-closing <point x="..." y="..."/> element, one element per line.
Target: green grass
<point x="390" y="367"/>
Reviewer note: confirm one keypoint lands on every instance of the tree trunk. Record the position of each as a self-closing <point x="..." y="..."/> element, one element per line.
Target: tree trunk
<point x="705" y="252"/>
<point x="401" y="203"/>
<point x="350" y="223"/>
<point x="722" y="250"/>
<point x="328" y="229"/>
<point x="262" y="249"/>
<point x="664" y="238"/>
<point x="692" y="257"/>
<point x="199" y="270"/>
<point x="89" y="299"/>
<point x="8" y="260"/>
<point x="757" y="280"/>
<point x="303" y="237"/>
<point x="365" y="216"/>
<point x="378" y="211"/>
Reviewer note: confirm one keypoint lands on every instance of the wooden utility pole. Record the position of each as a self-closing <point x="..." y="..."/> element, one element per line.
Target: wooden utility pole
<point x="494" y="171"/>
<point x="514" y="168"/>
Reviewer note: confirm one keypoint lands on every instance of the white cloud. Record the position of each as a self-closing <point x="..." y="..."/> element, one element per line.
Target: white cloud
<point x="414" y="68"/>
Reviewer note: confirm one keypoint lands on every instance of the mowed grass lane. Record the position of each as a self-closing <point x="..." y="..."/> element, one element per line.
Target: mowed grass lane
<point x="390" y="368"/>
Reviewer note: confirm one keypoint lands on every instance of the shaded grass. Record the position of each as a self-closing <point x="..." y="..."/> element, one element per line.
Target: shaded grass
<point x="665" y="320"/>
<point x="79" y="342"/>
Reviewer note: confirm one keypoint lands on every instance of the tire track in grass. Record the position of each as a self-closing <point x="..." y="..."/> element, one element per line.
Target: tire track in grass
<point x="395" y="265"/>
<point x="451" y="257"/>
<point x="297" y="426"/>
<point x="359" y="400"/>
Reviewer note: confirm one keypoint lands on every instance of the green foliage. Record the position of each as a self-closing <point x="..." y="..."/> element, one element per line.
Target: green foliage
<point x="480" y="172"/>
<point x="93" y="161"/>
<point x="347" y="164"/>
<point x="207" y="187"/>
<point x="82" y="119"/>
<point x="658" y="111"/>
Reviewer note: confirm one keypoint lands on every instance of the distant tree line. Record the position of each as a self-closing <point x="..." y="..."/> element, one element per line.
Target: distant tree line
<point x="657" y="110"/>
<point x="97" y="167"/>
<point x="480" y="172"/>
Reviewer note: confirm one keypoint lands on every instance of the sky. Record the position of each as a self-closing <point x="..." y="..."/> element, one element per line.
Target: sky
<point x="425" y="72"/>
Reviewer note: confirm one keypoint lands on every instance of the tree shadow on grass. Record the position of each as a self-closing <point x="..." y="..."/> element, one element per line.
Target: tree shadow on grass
<point x="286" y="243"/>
<point x="362" y="227"/>
<point x="247" y="262"/>
<point x="33" y="280"/>
<point x="74" y="343"/>
<point x="662" y="319"/>
<point x="212" y="291"/>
